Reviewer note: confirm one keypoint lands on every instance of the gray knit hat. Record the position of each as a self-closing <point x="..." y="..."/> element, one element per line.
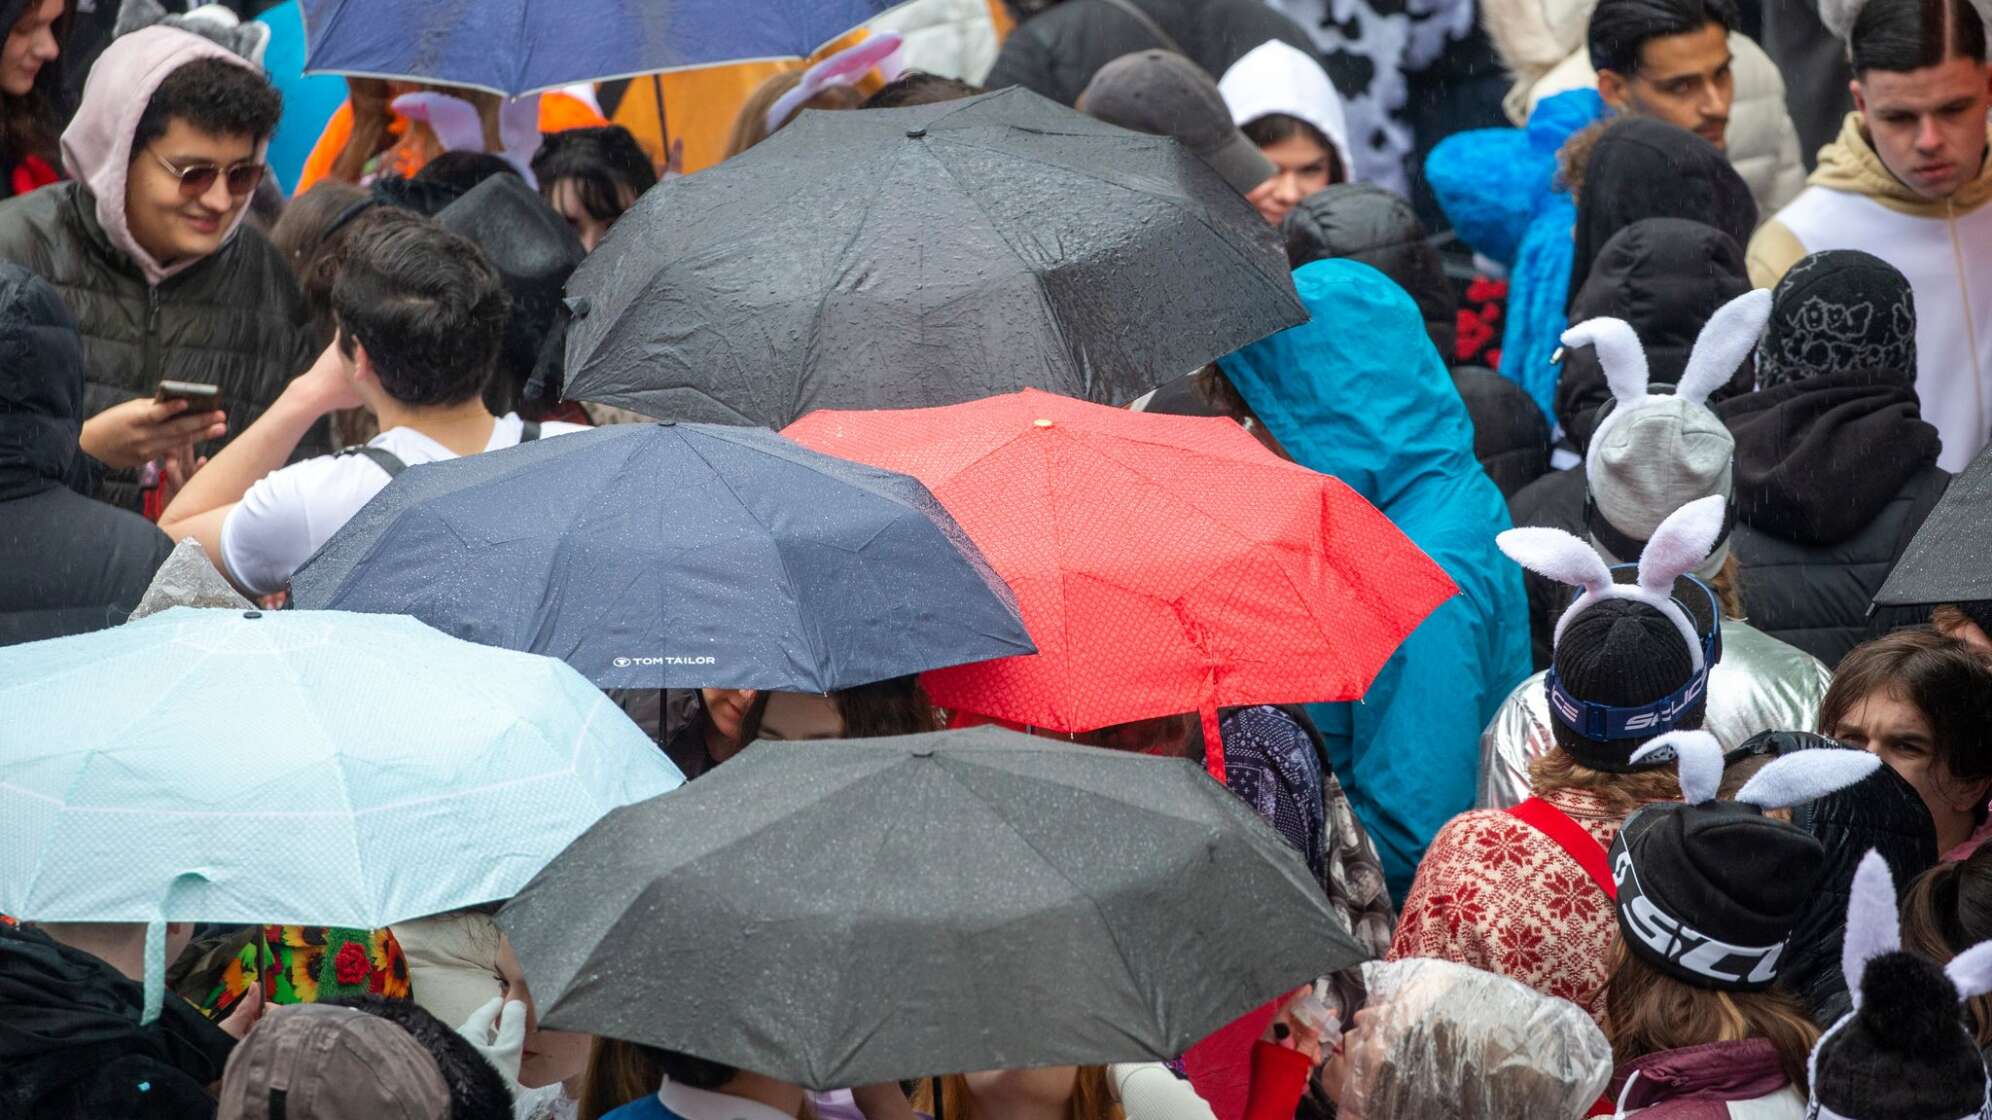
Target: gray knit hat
<point x="1654" y="452"/>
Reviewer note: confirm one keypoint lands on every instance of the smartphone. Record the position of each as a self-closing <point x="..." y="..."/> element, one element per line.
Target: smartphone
<point x="199" y="397"/>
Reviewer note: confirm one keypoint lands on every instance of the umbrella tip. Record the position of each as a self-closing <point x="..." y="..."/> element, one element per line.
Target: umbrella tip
<point x="1040" y="422"/>
<point x="915" y="133"/>
<point x="252" y="614"/>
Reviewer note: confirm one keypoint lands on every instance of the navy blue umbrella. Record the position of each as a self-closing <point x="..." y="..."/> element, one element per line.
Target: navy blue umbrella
<point x="517" y="47"/>
<point x="676" y="556"/>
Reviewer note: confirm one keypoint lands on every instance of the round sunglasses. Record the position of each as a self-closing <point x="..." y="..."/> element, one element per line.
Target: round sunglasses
<point x="196" y="179"/>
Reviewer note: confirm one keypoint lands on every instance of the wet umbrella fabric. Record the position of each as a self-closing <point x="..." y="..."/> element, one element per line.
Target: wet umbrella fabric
<point x="1946" y="559"/>
<point x="295" y="767"/>
<point x="923" y="256"/>
<point x="1165" y="564"/>
<point x="845" y="913"/>
<point x="516" y="47"/>
<point x="675" y="556"/>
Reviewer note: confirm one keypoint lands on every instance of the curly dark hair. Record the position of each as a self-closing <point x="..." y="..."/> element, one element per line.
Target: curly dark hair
<point x="216" y="96"/>
<point x="425" y="302"/>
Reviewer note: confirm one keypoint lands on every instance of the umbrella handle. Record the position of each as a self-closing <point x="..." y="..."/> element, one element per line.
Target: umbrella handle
<point x="155" y="969"/>
<point x="1213" y="737"/>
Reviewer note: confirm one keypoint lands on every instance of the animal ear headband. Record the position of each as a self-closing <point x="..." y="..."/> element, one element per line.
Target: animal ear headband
<point x="1729" y="337"/>
<point x="1785" y="781"/>
<point x="459" y="129"/>
<point x="844" y="68"/>
<point x="1678" y="547"/>
<point x="1874" y="928"/>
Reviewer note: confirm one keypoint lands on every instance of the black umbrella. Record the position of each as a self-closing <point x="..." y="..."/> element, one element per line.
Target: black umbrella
<point x="1949" y="560"/>
<point x="899" y="258"/>
<point x="846" y="913"/>
<point x="675" y="556"/>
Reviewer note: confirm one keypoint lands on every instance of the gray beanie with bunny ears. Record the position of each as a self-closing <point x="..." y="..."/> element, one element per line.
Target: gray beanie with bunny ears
<point x="1653" y="453"/>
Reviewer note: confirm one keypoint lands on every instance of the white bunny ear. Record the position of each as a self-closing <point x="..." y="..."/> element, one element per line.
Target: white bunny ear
<point x="1557" y="555"/>
<point x="1619" y="354"/>
<point x="1680" y="544"/>
<point x="1729" y="336"/>
<point x="1698" y="760"/>
<point x="1971" y="970"/>
<point x="1804" y="776"/>
<point x="1873" y="925"/>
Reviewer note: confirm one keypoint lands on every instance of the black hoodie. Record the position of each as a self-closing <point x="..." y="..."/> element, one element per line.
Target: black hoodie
<point x="1665" y="276"/>
<point x="72" y="564"/>
<point x="71" y="1045"/>
<point x="1834" y="475"/>
<point x="1643" y="168"/>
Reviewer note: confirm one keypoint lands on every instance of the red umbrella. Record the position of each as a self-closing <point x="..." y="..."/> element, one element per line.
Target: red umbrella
<point x="1163" y="564"/>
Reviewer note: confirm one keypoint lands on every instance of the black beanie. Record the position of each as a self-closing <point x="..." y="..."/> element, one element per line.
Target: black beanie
<point x="1905" y="1055"/>
<point x="1625" y="653"/>
<point x="1839" y="311"/>
<point x="1711" y="875"/>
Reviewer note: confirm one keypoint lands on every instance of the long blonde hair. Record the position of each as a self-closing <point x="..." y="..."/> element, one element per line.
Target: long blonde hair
<point x="1092" y="1097"/>
<point x="750" y="127"/>
<point x="1647" y="1011"/>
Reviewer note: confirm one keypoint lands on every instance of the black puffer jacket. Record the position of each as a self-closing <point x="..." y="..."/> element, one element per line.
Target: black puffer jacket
<point x="1834" y="475"/>
<point x="235" y="319"/>
<point x="1510" y="436"/>
<point x="1881" y="812"/>
<point x="1364" y="222"/>
<point x="1665" y="276"/>
<point x="72" y="563"/>
<point x="1056" y="52"/>
<point x="71" y="1047"/>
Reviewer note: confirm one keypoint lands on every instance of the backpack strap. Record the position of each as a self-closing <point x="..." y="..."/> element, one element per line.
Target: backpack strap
<point x="1570" y="836"/>
<point x="529" y="430"/>
<point x="380" y="457"/>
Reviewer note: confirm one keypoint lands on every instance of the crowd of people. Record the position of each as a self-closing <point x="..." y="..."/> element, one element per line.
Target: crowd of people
<point x="1666" y="809"/>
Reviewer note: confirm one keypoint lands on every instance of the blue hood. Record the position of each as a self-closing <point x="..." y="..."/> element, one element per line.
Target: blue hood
<point x="1359" y="392"/>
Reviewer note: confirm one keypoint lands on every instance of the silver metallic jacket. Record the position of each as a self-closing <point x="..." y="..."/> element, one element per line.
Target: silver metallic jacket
<point x="1761" y="684"/>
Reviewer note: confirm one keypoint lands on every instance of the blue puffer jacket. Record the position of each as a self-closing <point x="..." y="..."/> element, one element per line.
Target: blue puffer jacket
<point x="1498" y="187"/>
<point x="1359" y="392"/>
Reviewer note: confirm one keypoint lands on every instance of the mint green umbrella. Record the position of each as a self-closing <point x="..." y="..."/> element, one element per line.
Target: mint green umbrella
<point x="310" y="767"/>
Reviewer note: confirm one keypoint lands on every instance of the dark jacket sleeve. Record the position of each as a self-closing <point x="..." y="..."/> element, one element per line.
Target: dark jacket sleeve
<point x="1025" y="60"/>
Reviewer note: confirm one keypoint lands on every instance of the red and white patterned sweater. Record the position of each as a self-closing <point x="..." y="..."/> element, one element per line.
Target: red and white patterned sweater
<point x="1496" y="894"/>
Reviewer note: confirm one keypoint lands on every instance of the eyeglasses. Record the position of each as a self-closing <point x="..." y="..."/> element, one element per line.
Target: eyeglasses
<point x="196" y="179"/>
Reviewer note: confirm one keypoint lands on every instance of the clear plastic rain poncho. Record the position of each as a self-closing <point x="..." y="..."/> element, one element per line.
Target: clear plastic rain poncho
<point x="1442" y="1041"/>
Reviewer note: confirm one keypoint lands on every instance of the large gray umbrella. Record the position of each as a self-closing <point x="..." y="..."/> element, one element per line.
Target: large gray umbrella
<point x="899" y="258"/>
<point x="845" y="913"/>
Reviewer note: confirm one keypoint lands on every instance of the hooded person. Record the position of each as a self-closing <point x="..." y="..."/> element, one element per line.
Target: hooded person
<point x="1644" y="168"/>
<point x="1502" y="191"/>
<point x="72" y="1047"/>
<point x="1836" y="468"/>
<point x="1708" y="895"/>
<point x="73" y="564"/>
<point x="1903" y="1052"/>
<point x="1665" y="276"/>
<point x="1364" y="222"/>
<point x="1907" y="179"/>
<point x="1526" y="892"/>
<point x="147" y="245"/>
<point x="1283" y="101"/>
<point x="1881" y="813"/>
<point x="1404" y="754"/>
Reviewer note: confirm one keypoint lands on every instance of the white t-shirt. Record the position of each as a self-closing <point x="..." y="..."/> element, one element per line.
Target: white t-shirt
<point x="289" y="513"/>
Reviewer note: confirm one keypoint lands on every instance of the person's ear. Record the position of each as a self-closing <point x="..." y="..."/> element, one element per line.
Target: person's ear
<point x="361" y="368"/>
<point x="1613" y="87"/>
<point x="1968" y="797"/>
<point x="1860" y="99"/>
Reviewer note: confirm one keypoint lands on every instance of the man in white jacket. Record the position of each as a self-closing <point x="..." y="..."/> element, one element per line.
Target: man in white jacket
<point x="1908" y="181"/>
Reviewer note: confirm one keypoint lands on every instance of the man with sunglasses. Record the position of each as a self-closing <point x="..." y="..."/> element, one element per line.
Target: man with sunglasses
<point x="147" y="246"/>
